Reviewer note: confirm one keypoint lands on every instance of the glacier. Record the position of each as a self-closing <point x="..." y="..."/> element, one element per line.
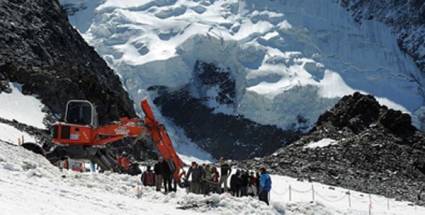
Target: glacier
<point x="288" y="58"/>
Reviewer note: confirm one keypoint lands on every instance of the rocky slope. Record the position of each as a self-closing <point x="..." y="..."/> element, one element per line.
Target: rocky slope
<point x="407" y="18"/>
<point x="44" y="53"/>
<point x="372" y="149"/>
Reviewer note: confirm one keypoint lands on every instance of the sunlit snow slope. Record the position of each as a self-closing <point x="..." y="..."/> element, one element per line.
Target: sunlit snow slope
<point x="289" y="58"/>
<point x="31" y="185"/>
<point x="22" y="108"/>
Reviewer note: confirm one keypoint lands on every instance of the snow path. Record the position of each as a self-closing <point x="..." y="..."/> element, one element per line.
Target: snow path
<point x="29" y="184"/>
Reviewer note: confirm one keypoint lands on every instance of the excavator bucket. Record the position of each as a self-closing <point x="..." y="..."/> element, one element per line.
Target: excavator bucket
<point x="160" y="137"/>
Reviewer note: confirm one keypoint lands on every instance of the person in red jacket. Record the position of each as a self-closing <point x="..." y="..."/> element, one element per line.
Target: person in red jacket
<point x="123" y="161"/>
<point x="215" y="179"/>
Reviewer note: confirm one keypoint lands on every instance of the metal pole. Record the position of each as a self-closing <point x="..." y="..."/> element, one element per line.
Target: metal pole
<point x="388" y="204"/>
<point x="370" y="204"/>
<point x="349" y="199"/>
<point x="290" y="193"/>
<point x="312" y="192"/>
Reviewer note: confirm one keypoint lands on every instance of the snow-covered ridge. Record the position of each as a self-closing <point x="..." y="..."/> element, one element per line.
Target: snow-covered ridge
<point x="288" y="58"/>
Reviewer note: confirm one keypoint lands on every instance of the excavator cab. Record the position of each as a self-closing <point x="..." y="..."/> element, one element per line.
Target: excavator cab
<point x="81" y="112"/>
<point x="79" y="124"/>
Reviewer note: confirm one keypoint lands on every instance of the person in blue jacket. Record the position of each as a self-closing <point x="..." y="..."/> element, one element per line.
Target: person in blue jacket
<point x="265" y="185"/>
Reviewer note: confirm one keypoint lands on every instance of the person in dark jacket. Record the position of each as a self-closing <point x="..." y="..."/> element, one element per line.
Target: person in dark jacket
<point x="235" y="184"/>
<point x="158" y="174"/>
<point x="166" y="175"/>
<point x="195" y="183"/>
<point x="244" y="183"/>
<point x="225" y="172"/>
<point x="265" y="186"/>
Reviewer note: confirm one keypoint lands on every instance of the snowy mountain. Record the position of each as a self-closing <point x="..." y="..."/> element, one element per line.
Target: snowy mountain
<point x="284" y="62"/>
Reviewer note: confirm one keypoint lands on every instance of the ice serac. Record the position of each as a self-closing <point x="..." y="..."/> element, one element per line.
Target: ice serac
<point x="43" y="53"/>
<point x="290" y="60"/>
<point x="406" y="18"/>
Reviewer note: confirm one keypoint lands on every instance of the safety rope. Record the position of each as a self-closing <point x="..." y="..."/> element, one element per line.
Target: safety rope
<point x="285" y="191"/>
<point x="331" y="200"/>
<point x="301" y="191"/>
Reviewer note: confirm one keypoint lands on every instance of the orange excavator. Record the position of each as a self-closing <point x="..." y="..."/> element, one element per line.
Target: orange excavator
<point x="80" y="137"/>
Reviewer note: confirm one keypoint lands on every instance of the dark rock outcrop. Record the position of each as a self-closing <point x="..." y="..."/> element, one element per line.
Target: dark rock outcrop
<point x="230" y="136"/>
<point x="377" y="151"/>
<point x="42" y="51"/>
<point x="210" y="77"/>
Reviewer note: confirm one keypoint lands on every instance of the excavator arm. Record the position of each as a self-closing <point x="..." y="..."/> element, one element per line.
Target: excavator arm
<point x="160" y="138"/>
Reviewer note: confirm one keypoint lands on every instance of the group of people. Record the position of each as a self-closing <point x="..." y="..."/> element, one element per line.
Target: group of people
<point x="161" y="176"/>
<point x="206" y="178"/>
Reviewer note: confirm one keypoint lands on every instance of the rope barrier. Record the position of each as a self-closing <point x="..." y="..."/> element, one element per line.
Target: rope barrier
<point x="280" y="194"/>
<point x="331" y="200"/>
<point x="301" y="191"/>
<point x="358" y="198"/>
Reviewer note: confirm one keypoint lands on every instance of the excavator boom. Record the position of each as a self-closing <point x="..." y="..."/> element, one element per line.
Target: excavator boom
<point x="80" y="140"/>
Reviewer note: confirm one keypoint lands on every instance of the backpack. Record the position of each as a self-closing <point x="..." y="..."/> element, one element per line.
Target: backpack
<point x="148" y="179"/>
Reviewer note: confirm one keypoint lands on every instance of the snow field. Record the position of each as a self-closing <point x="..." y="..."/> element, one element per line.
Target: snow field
<point x="336" y="199"/>
<point x="23" y="108"/>
<point x="31" y="185"/>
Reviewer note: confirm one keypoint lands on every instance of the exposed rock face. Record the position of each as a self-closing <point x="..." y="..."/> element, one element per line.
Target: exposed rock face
<point x="230" y="136"/>
<point x="42" y="51"/>
<point x="377" y="151"/>
<point x="407" y="18"/>
<point x="214" y="85"/>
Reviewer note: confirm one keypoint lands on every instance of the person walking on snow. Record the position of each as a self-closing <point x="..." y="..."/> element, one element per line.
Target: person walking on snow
<point x="265" y="186"/>
<point x="225" y="172"/>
